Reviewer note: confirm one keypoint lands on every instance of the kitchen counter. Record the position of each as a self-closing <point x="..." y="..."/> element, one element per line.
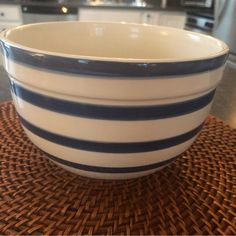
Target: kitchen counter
<point x="94" y="4"/>
<point x="224" y="106"/>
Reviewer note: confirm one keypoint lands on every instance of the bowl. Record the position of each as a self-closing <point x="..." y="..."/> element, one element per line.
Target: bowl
<point x="111" y="100"/>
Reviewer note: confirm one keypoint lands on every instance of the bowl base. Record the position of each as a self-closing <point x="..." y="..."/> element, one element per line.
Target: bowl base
<point x="109" y="176"/>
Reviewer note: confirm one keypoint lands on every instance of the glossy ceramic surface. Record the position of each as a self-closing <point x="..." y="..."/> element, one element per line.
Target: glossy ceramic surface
<point x="112" y="100"/>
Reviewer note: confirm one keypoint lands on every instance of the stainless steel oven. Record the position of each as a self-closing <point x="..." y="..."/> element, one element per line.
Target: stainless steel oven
<point x="199" y="22"/>
<point x="200" y="15"/>
<point x="225" y="24"/>
<point x="197" y="3"/>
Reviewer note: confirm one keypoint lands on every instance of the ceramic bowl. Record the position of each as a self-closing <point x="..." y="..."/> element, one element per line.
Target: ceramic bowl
<point x="111" y="100"/>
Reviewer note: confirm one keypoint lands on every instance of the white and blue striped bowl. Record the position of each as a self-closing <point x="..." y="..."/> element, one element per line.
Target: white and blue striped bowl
<point x="111" y="100"/>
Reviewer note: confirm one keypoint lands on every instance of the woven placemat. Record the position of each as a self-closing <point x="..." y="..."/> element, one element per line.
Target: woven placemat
<point x="194" y="195"/>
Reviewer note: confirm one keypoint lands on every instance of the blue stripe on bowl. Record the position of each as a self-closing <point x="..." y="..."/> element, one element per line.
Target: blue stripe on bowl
<point x="111" y="68"/>
<point x="110" y="147"/>
<point x="112" y="170"/>
<point x="105" y="112"/>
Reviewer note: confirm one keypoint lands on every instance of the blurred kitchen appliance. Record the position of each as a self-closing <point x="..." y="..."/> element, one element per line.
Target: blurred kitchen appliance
<point x="35" y="13"/>
<point x="197" y="3"/>
<point x="199" y="22"/>
<point x="225" y="24"/>
<point x="200" y="15"/>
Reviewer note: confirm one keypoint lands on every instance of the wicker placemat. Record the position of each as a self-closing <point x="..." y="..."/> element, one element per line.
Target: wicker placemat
<point x="194" y="195"/>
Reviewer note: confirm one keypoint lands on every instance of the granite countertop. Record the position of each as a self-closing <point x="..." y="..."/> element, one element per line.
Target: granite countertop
<point x="93" y="4"/>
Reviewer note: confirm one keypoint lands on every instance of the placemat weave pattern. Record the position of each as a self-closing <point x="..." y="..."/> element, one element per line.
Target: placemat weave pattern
<point x="194" y="195"/>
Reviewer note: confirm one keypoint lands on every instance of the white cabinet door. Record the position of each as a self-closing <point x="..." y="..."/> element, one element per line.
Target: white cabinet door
<point x="10" y="12"/>
<point x="150" y="17"/>
<point x="10" y="16"/>
<point x="114" y="15"/>
<point x="165" y="18"/>
<point x="172" y="19"/>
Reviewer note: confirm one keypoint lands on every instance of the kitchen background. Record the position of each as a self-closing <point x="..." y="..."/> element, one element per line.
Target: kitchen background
<point x="212" y="17"/>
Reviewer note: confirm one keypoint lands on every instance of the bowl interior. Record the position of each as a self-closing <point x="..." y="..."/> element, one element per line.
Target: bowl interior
<point x="112" y="41"/>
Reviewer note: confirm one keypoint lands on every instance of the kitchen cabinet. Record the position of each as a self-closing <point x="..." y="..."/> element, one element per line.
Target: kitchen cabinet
<point x="10" y="13"/>
<point x="29" y="18"/>
<point x="10" y="16"/>
<point x="149" y="17"/>
<point x="154" y="17"/>
<point x="172" y="19"/>
<point x="114" y="15"/>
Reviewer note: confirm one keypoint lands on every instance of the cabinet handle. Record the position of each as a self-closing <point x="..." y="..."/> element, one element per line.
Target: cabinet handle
<point x="2" y="14"/>
<point x="149" y="18"/>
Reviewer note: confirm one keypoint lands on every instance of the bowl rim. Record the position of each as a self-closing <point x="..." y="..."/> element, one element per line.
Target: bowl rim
<point x="10" y="43"/>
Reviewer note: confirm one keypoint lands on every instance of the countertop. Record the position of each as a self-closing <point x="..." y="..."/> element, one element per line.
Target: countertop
<point x="224" y="106"/>
<point x="95" y="4"/>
